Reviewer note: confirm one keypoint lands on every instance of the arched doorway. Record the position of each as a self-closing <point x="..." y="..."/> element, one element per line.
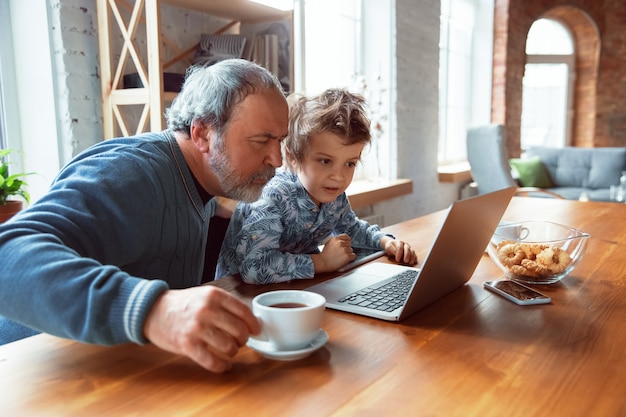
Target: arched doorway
<point x="548" y="84"/>
<point x="586" y="40"/>
<point x="509" y="60"/>
<point x="587" y="50"/>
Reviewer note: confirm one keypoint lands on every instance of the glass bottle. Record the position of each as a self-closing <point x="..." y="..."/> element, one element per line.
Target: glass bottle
<point x="621" y="189"/>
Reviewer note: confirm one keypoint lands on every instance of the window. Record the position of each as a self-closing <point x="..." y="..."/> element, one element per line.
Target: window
<point x="341" y="52"/>
<point x="5" y="62"/>
<point x="547" y="86"/>
<point x="3" y="141"/>
<point x="28" y="90"/>
<point x="465" y="60"/>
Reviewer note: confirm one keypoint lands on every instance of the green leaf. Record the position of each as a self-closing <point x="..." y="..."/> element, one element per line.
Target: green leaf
<point x="11" y="184"/>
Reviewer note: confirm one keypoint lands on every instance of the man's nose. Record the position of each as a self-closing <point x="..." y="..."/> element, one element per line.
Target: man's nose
<point x="275" y="156"/>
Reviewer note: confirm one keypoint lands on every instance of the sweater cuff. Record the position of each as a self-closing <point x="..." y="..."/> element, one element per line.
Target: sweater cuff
<point x="139" y="304"/>
<point x="380" y="237"/>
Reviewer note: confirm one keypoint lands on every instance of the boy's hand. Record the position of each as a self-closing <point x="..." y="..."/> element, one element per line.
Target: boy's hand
<point x="336" y="253"/>
<point x="399" y="250"/>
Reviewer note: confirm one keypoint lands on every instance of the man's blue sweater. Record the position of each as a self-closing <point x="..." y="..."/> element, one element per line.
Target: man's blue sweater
<point x="122" y="223"/>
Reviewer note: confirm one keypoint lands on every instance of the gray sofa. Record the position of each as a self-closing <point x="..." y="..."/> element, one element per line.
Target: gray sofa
<point x="574" y="170"/>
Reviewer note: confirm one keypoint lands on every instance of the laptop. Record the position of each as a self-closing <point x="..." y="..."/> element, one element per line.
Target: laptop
<point x="450" y="263"/>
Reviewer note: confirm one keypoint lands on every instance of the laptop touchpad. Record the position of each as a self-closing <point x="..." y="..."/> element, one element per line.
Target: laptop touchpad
<point x="336" y="288"/>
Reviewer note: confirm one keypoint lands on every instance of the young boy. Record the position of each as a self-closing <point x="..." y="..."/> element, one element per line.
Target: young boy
<point x="276" y="239"/>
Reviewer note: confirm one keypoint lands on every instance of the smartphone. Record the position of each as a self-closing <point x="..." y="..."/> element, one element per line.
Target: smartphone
<point x="516" y="292"/>
<point x="362" y="255"/>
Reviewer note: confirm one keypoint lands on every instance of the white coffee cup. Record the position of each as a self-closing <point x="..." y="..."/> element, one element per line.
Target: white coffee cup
<point x="291" y="319"/>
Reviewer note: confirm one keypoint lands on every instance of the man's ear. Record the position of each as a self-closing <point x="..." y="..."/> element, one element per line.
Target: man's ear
<point x="200" y="134"/>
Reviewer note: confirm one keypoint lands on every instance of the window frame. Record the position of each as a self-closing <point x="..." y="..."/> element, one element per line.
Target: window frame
<point x="9" y="125"/>
<point x="546" y="54"/>
<point x="370" y="75"/>
<point x="477" y="86"/>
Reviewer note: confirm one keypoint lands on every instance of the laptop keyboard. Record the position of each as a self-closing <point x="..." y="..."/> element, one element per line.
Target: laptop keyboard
<point x="385" y="296"/>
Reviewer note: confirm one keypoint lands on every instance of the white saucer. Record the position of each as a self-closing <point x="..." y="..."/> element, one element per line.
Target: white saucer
<point x="269" y="351"/>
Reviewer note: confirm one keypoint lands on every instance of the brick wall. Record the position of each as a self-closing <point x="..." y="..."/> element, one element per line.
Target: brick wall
<point x="74" y="39"/>
<point x="600" y="42"/>
<point x="417" y="106"/>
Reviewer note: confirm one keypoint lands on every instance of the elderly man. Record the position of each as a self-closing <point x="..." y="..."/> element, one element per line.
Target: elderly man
<point x="114" y="252"/>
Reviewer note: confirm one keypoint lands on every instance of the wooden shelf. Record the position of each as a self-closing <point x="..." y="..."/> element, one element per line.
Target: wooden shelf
<point x="459" y="172"/>
<point x="130" y="96"/>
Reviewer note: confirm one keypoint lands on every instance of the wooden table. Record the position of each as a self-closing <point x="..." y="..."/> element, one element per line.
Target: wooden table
<point x="470" y="354"/>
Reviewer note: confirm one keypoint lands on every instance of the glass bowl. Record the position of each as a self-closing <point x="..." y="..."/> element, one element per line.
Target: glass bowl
<point x="537" y="252"/>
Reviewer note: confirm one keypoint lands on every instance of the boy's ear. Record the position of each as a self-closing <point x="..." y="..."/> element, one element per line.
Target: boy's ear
<point x="292" y="162"/>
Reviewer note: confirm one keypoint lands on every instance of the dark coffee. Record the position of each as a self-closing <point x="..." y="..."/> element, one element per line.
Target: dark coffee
<point x="288" y="305"/>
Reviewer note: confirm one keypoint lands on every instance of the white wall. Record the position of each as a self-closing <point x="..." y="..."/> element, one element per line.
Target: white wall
<point x="417" y="98"/>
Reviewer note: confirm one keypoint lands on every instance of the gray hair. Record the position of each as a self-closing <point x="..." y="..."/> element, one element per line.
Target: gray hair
<point x="210" y="94"/>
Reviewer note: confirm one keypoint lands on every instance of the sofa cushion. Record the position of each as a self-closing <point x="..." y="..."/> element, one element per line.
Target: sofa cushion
<point x="531" y="172"/>
<point x="591" y="168"/>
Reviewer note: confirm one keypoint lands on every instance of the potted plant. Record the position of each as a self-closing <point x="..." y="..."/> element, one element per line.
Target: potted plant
<point x="10" y="185"/>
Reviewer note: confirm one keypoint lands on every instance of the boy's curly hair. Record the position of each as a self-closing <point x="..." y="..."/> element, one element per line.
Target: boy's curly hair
<point x="336" y="111"/>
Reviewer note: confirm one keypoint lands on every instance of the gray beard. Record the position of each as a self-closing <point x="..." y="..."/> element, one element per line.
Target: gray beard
<point x="234" y="186"/>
